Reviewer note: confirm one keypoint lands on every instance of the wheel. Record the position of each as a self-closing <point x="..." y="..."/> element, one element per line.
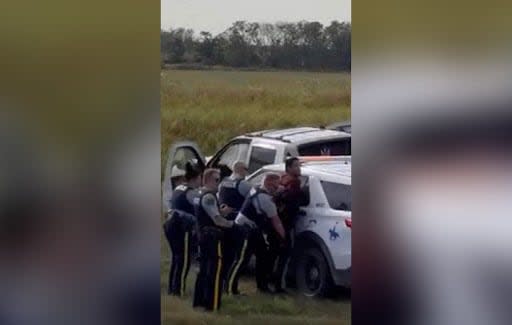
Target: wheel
<point x="311" y="273"/>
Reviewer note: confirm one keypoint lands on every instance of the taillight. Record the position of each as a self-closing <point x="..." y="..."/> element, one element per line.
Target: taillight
<point x="348" y="222"/>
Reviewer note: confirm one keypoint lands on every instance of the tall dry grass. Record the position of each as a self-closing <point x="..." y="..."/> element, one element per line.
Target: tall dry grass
<point x="210" y="107"/>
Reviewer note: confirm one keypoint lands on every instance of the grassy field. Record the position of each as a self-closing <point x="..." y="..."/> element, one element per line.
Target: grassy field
<point x="254" y="309"/>
<point x="210" y="107"/>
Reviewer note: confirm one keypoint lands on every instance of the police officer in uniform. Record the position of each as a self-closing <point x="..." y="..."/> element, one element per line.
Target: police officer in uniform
<point x="212" y="224"/>
<point x="257" y="216"/>
<point x="177" y="176"/>
<point x="179" y="226"/>
<point x="233" y="191"/>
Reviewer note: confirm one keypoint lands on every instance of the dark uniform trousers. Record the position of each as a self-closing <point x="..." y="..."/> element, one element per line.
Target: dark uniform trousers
<point x="246" y="242"/>
<point x="208" y="287"/>
<point x="178" y="232"/>
<point x="279" y="255"/>
<point x="228" y="252"/>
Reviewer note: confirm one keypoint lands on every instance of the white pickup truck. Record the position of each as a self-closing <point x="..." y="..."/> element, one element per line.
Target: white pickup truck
<point x="258" y="149"/>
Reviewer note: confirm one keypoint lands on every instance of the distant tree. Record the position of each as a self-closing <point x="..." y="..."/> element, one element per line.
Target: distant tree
<point x="301" y="45"/>
<point x="206" y="48"/>
<point x="338" y="42"/>
<point x="220" y="49"/>
<point x="238" y="53"/>
<point x="189" y="43"/>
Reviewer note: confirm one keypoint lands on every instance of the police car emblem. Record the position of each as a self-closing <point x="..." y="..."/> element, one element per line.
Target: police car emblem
<point x="333" y="234"/>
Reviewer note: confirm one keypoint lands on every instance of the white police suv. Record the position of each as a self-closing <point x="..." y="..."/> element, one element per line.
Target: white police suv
<point x="322" y="248"/>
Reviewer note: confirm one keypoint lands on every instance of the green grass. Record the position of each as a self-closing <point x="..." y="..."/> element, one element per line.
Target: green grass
<point x="255" y="308"/>
<point x="211" y="107"/>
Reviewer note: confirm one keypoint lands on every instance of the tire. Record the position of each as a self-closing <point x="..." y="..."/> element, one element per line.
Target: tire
<point x="312" y="274"/>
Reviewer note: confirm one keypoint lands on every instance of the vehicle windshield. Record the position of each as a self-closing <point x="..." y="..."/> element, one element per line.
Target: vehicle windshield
<point x="338" y="195"/>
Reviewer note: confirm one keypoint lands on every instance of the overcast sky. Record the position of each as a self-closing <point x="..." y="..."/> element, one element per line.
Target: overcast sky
<point x="215" y="16"/>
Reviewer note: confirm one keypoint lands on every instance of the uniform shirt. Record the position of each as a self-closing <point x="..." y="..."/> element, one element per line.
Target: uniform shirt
<point x="243" y="187"/>
<point x="191" y="194"/>
<point x="210" y="205"/>
<point x="263" y="203"/>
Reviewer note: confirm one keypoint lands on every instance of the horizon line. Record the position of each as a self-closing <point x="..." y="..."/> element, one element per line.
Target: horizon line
<point x="165" y="28"/>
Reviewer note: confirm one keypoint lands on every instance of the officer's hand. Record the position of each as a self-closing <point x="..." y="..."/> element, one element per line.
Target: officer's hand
<point x="225" y="210"/>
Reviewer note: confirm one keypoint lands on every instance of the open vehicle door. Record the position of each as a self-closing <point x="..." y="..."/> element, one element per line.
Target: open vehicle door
<point x="178" y="155"/>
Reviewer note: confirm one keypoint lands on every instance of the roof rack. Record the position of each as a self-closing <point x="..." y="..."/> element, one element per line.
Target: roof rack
<point x="262" y="134"/>
<point x="259" y="135"/>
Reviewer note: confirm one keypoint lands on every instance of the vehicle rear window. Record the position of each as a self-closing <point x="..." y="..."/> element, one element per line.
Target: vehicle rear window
<point x="328" y="148"/>
<point x="261" y="157"/>
<point x="338" y="195"/>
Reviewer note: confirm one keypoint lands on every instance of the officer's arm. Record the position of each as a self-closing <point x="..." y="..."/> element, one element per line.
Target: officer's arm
<point x="210" y="206"/>
<point x="222" y="222"/>
<point x="270" y="210"/>
<point x="278" y="226"/>
<point x="191" y="195"/>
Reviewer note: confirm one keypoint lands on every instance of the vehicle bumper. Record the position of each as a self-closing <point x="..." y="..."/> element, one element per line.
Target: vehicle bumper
<point x="343" y="278"/>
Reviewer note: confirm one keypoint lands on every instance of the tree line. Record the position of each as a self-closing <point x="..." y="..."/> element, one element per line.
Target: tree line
<point x="296" y="46"/>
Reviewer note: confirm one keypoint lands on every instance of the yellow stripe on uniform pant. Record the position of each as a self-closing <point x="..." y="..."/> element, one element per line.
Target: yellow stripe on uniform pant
<point x="237" y="266"/>
<point x="217" y="278"/>
<point x="185" y="261"/>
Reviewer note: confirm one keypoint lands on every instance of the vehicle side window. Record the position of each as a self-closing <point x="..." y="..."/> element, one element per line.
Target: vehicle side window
<point x="338" y="195"/>
<point x="341" y="147"/>
<point x="234" y="152"/>
<point x="261" y="157"/>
